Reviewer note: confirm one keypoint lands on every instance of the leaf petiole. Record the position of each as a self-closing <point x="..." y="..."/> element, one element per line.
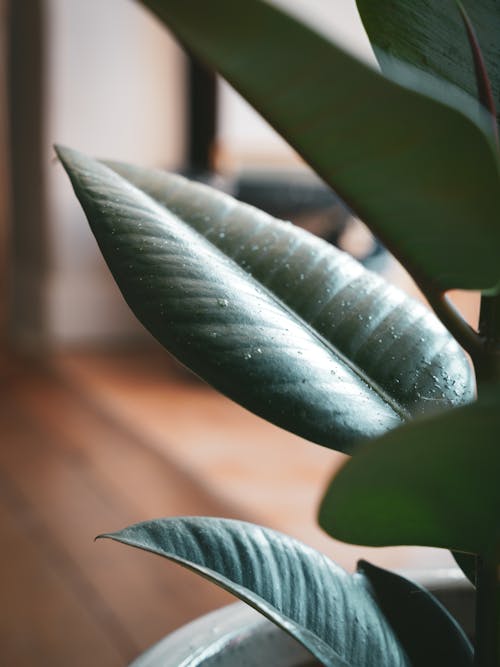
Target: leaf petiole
<point x="483" y="82"/>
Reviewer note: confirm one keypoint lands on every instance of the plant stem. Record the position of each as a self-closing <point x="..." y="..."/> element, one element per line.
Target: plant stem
<point x="487" y="652"/>
<point x="469" y="339"/>
<point x="487" y="363"/>
<point x="483" y="82"/>
<point x="489" y="320"/>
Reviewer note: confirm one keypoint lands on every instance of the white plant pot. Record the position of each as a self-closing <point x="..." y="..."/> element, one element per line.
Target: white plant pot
<point x="238" y="636"/>
<point x="233" y="635"/>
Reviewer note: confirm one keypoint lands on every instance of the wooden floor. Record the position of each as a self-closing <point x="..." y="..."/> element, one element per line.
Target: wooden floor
<point x="91" y="442"/>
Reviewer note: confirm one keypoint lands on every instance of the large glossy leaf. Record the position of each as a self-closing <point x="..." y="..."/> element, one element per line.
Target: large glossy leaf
<point x="276" y="341"/>
<point x="421" y="174"/>
<point x="433" y="483"/>
<point x="430" y="635"/>
<point x="393" y="341"/>
<point x="432" y="37"/>
<point x="331" y="613"/>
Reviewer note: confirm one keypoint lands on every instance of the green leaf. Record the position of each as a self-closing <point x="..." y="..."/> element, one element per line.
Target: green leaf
<point x="331" y="613"/>
<point x="430" y="635"/>
<point x="421" y="174"/>
<point x="276" y="319"/>
<point x="431" y="36"/>
<point x="434" y="482"/>
<point x="391" y="339"/>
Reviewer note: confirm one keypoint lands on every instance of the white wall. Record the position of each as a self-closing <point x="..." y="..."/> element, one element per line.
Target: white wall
<point x="115" y="89"/>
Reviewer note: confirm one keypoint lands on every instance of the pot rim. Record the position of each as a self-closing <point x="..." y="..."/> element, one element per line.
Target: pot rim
<point x="226" y="634"/>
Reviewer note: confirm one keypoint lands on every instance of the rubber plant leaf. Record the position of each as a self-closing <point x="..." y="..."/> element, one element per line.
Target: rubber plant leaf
<point x="422" y="174"/>
<point x="433" y="483"/>
<point x="406" y="605"/>
<point x="333" y="614"/>
<point x="276" y="319"/>
<point x="432" y="37"/>
<point x="388" y="337"/>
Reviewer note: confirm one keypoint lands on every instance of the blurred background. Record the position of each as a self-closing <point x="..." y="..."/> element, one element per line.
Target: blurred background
<point x="99" y="427"/>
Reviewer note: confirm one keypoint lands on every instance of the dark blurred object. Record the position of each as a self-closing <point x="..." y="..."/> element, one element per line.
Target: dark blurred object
<point x="28" y="246"/>
<point x="304" y="199"/>
<point x="4" y="187"/>
<point x="202" y="107"/>
<point x="298" y="196"/>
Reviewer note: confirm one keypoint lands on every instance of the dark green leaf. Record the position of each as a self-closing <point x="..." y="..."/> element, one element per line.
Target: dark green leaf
<point x="434" y="482"/>
<point x="431" y="36"/>
<point x="283" y="323"/>
<point x="430" y="635"/>
<point x="421" y="174"/>
<point x="331" y="613"/>
<point x="392" y="340"/>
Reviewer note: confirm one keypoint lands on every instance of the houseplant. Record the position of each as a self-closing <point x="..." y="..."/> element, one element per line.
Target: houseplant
<point x="300" y="334"/>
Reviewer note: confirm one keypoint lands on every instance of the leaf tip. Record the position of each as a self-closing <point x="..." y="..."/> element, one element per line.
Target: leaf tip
<point x="363" y="565"/>
<point x="63" y="153"/>
<point x="70" y="158"/>
<point x="105" y="536"/>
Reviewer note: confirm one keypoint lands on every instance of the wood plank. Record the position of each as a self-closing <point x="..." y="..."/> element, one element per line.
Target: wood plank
<point x="43" y="622"/>
<point x="124" y="459"/>
<point x="136" y="597"/>
<point x="259" y="470"/>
